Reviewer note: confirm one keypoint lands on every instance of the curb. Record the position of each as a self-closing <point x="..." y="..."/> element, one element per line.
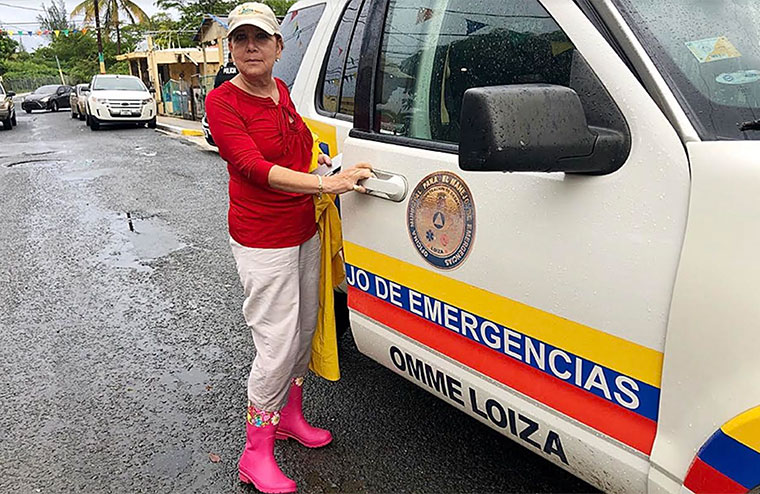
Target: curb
<point x="178" y="130"/>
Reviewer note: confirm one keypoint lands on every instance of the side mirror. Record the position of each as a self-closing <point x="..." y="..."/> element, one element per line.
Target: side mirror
<point x="11" y="93"/>
<point x="152" y="90"/>
<point x="534" y="128"/>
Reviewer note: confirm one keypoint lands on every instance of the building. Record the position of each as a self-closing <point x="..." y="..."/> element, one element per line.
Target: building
<point x="213" y="32"/>
<point x="179" y="76"/>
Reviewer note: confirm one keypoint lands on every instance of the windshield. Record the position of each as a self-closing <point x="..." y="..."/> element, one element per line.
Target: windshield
<point x="118" y="83"/>
<point x="46" y="89"/>
<point x="709" y="53"/>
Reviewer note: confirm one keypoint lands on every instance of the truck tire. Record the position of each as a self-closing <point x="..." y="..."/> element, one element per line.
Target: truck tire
<point x="94" y="124"/>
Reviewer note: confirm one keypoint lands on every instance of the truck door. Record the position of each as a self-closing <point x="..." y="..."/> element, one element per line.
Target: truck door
<point x="554" y="286"/>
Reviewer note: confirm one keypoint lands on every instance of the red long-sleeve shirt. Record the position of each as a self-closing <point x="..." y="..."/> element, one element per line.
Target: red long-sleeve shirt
<point x="254" y="134"/>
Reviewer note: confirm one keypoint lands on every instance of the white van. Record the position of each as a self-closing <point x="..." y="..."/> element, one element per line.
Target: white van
<point x="563" y="238"/>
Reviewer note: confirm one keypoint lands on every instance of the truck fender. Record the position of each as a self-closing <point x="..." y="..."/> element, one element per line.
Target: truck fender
<point x="729" y="462"/>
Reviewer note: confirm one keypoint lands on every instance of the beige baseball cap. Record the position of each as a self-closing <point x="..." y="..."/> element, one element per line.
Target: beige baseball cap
<point x="253" y="14"/>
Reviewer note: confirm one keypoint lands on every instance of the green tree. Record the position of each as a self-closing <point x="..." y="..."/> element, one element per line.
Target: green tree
<point x="280" y="7"/>
<point x="164" y="28"/>
<point x="192" y="12"/>
<point x="196" y="8"/>
<point x="7" y="47"/>
<point x="91" y="10"/>
<point x="111" y="16"/>
<point x="55" y="17"/>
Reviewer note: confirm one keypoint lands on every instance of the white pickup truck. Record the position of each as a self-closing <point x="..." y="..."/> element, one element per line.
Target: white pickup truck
<point x="563" y="236"/>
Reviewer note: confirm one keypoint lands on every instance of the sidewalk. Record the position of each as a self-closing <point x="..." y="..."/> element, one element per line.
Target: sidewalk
<point x="179" y="126"/>
<point x="187" y="129"/>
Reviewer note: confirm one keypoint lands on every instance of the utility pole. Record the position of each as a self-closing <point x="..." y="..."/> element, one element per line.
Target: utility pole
<point x="100" y="40"/>
<point x="60" y="72"/>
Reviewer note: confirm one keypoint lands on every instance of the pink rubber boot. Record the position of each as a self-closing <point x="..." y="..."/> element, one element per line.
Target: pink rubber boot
<point x="257" y="464"/>
<point x="293" y="424"/>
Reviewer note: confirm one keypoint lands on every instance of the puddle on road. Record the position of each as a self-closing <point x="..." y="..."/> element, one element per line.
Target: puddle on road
<point x="33" y="162"/>
<point x="193" y="380"/>
<point x="16" y="154"/>
<point x="138" y="239"/>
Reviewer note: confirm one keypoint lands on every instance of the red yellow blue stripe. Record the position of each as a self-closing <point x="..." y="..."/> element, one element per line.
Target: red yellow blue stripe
<point x="606" y="417"/>
<point x="626" y="357"/>
<point x="632" y="425"/>
<point x="730" y="460"/>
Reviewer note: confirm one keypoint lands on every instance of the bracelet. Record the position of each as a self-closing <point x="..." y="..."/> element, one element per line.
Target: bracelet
<point x="320" y="187"/>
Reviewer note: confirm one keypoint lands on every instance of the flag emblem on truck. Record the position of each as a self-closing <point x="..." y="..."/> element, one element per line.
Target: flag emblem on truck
<point x="441" y="219"/>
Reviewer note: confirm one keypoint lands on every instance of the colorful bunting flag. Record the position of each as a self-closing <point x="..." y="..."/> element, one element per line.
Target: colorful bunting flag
<point x="473" y="26"/>
<point x="424" y="14"/>
<point x="43" y="32"/>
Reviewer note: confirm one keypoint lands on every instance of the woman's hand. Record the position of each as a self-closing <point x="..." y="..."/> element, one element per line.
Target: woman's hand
<point x="323" y="159"/>
<point x="348" y="179"/>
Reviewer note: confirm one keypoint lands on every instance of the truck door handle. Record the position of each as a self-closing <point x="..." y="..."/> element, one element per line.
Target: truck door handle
<point x="386" y="186"/>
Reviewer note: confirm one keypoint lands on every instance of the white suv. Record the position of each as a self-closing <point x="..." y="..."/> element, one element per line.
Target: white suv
<point x="119" y="99"/>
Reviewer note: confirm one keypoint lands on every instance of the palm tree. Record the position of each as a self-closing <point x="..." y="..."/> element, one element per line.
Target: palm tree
<point x="91" y="8"/>
<point x="133" y="11"/>
<point x="111" y="8"/>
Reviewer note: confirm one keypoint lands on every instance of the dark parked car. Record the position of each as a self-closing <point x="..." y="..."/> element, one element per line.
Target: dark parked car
<point x="7" y="110"/>
<point x="49" y="97"/>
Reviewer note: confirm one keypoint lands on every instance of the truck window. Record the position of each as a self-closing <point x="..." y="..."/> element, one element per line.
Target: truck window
<point x="338" y="80"/>
<point x="709" y="54"/>
<point x="433" y="51"/>
<point x="297" y="29"/>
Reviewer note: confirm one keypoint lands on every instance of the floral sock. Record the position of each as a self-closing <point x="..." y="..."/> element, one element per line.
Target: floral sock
<point x="261" y="418"/>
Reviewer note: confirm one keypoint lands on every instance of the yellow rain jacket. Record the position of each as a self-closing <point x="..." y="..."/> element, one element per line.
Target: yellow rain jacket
<point x="324" y="345"/>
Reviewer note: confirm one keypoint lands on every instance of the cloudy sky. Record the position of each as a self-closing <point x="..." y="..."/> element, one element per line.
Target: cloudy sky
<point x="22" y="15"/>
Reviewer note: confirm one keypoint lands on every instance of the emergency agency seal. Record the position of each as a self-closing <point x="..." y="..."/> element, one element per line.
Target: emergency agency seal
<point x="441" y="219"/>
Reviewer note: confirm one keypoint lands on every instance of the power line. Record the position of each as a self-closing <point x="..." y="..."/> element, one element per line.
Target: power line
<point x="22" y="8"/>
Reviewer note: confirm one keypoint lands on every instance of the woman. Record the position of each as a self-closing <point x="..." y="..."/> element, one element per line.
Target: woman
<point x="273" y="235"/>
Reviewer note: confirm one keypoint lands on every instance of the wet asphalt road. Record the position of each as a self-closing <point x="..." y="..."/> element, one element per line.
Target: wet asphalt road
<point x="124" y="352"/>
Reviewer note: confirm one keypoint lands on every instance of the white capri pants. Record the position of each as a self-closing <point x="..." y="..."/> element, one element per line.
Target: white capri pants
<point x="281" y="302"/>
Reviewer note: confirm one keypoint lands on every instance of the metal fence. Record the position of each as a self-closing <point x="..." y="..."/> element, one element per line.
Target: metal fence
<point x="177" y="99"/>
<point x="28" y="84"/>
<point x="185" y="101"/>
<point x="206" y="85"/>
